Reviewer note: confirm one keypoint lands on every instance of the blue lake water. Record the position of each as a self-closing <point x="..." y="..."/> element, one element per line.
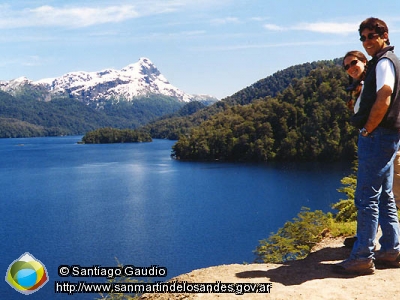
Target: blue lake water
<point x="72" y="204"/>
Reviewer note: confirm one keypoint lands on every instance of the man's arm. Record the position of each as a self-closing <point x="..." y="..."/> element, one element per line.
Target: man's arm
<point x="385" y="78"/>
<point x="379" y="108"/>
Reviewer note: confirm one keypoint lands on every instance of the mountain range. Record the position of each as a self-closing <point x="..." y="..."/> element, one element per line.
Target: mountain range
<point x="140" y="79"/>
<point x="104" y="101"/>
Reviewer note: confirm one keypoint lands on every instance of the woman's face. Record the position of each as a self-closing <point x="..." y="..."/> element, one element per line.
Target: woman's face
<point x="354" y="67"/>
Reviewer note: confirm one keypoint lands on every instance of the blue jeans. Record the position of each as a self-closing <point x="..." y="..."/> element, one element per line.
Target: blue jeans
<point x="374" y="197"/>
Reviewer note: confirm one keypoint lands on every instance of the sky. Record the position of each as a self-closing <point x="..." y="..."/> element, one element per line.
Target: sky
<point x="213" y="47"/>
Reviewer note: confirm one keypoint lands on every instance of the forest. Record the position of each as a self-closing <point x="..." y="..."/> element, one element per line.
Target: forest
<point x="307" y="119"/>
<point x="25" y="116"/>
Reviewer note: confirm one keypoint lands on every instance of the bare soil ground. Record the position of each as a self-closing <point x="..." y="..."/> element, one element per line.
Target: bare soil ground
<point x="310" y="278"/>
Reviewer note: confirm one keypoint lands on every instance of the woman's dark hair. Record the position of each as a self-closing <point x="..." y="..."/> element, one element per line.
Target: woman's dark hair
<point x="375" y="24"/>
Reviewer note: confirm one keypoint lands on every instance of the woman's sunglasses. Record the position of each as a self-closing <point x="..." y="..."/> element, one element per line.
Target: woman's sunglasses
<point x="351" y="64"/>
<point x="370" y="36"/>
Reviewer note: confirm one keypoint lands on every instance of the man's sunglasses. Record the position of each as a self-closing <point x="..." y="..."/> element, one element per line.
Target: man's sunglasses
<point x="370" y="36"/>
<point x="351" y="64"/>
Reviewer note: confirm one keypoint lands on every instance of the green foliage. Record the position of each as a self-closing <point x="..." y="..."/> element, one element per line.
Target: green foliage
<point x="348" y="228"/>
<point x="307" y="121"/>
<point x="271" y="86"/>
<point x="140" y="111"/>
<point x="24" y="116"/>
<point x="347" y="211"/>
<point x="189" y="109"/>
<point x="179" y="124"/>
<point x="295" y="239"/>
<point x="346" y="208"/>
<point x="113" y="135"/>
<point x="14" y="128"/>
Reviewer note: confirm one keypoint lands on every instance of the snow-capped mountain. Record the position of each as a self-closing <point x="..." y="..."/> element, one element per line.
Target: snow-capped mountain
<point x="135" y="80"/>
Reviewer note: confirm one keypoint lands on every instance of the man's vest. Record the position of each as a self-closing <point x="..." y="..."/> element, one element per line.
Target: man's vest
<point x="391" y="119"/>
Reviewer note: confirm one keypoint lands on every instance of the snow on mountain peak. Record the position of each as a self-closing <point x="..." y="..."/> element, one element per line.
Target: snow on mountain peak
<point x="138" y="79"/>
<point x="21" y="79"/>
<point x="12" y="85"/>
<point x="142" y="68"/>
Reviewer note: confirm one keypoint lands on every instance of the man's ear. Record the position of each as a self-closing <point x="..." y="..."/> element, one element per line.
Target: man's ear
<point x="385" y="36"/>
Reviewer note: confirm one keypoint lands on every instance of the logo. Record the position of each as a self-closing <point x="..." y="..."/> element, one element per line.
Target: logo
<point x="26" y="274"/>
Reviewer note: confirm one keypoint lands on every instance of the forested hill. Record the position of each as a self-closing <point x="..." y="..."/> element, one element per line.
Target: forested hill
<point x="276" y="83"/>
<point x="308" y="120"/>
<point x="24" y="116"/>
<point x="173" y="126"/>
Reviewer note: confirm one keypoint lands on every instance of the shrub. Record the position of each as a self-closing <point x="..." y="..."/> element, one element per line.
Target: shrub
<point x="295" y="239"/>
<point x="347" y="211"/>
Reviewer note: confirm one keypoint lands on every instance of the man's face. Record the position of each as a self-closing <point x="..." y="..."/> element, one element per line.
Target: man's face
<point x="373" y="43"/>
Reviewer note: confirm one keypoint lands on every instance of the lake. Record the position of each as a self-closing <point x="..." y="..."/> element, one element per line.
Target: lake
<point x="72" y="204"/>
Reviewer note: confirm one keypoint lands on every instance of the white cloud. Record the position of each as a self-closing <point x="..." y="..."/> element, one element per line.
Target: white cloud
<point x="321" y="27"/>
<point x="274" y="27"/>
<point x="258" y="19"/>
<point x="66" y="16"/>
<point x="222" y="21"/>
<point x="81" y="16"/>
<point x="328" y="27"/>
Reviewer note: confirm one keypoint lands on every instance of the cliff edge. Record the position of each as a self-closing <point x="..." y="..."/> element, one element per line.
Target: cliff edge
<point x="309" y="278"/>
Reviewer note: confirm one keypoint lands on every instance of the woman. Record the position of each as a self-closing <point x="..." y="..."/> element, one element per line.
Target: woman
<point x="355" y="63"/>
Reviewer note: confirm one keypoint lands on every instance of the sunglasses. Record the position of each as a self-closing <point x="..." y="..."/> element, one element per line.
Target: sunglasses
<point x="370" y="36"/>
<point x="351" y="64"/>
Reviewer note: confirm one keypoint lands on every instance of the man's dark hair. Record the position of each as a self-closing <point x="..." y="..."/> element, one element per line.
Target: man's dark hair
<point x="375" y="24"/>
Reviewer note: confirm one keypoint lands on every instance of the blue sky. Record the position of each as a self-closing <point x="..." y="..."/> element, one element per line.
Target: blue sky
<point x="214" y="47"/>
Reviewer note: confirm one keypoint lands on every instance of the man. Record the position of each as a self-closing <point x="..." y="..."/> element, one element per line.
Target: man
<point x="378" y="119"/>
